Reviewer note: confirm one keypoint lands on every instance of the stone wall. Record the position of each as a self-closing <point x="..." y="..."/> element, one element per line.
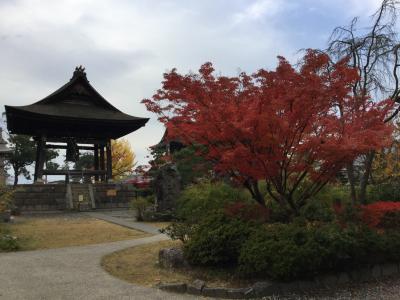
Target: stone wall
<point x="124" y="194"/>
<point x="45" y="197"/>
<point x="40" y="196"/>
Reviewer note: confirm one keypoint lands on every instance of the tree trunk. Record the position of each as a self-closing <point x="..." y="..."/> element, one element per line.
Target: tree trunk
<point x="364" y="178"/>
<point x="352" y="181"/>
<point x="252" y="186"/>
<point x="15" y="177"/>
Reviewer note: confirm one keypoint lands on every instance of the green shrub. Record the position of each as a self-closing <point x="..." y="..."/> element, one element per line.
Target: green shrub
<point x="140" y="205"/>
<point x="179" y="231"/>
<point x="349" y="214"/>
<point x="289" y="251"/>
<point x="384" y="192"/>
<point x="6" y="198"/>
<point x="390" y="220"/>
<point x="332" y="193"/>
<point x="7" y="241"/>
<point x="217" y="240"/>
<point x="390" y="245"/>
<point x="317" y="210"/>
<point x="247" y="211"/>
<point x="199" y="200"/>
<point x="280" y="252"/>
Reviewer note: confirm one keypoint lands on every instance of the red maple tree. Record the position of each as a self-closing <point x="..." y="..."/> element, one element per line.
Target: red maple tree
<point x="293" y="128"/>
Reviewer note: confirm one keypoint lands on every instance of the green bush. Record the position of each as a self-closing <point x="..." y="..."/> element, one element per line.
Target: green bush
<point x="140" y="205"/>
<point x="390" y="220"/>
<point x="349" y="214"/>
<point x="179" y="231"/>
<point x="317" y="210"/>
<point x="6" y="198"/>
<point x="390" y="245"/>
<point x="384" y="192"/>
<point x="332" y="193"/>
<point x="280" y="252"/>
<point x="289" y="251"/>
<point x="199" y="200"/>
<point x="7" y="241"/>
<point x="217" y="240"/>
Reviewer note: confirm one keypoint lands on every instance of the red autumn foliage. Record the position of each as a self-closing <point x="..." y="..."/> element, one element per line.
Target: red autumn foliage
<point x="248" y="212"/>
<point x="377" y="214"/>
<point x="294" y="128"/>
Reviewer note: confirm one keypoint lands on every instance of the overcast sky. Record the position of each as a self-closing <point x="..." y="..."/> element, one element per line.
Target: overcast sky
<point x="127" y="45"/>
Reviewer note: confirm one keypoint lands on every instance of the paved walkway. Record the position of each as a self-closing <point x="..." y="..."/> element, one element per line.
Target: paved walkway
<point x="75" y="272"/>
<point x="71" y="273"/>
<point x="123" y="218"/>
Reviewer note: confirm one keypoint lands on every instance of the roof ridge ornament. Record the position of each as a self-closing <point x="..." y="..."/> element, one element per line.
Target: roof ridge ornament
<point x="79" y="72"/>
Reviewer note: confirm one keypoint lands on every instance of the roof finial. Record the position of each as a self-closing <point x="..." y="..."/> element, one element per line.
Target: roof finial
<point x="79" y="72"/>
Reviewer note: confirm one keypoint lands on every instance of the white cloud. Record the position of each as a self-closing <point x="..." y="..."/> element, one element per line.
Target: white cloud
<point x="260" y="9"/>
<point x="363" y="7"/>
<point x="127" y="45"/>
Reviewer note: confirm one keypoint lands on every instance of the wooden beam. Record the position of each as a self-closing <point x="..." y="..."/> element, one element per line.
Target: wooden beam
<point x="109" y="161"/>
<point x="52" y="146"/>
<point x="74" y="172"/>
<point x="78" y="140"/>
<point x="96" y="161"/>
<point x="40" y="157"/>
<point x="102" y="163"/>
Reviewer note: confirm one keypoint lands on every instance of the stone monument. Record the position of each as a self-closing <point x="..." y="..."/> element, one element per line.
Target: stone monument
<point x="167" y="187"/>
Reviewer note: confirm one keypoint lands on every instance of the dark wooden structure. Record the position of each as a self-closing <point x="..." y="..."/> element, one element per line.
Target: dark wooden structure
<point x="168" y="145"/>
<point x="75" y="117"/>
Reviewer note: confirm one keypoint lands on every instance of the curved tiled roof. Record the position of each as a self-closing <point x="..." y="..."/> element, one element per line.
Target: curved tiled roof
<point x="76" y="101"/>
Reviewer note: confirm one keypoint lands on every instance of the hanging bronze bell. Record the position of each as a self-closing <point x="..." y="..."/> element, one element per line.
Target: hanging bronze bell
<point x="72" y="151"/>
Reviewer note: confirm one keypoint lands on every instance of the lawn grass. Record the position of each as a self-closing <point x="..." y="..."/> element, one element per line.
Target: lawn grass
<point x="63" y="231"/>
<point x="139" y="265"/>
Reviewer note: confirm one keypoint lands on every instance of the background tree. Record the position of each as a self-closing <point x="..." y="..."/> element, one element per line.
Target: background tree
<point x="123" y="158"/>
<point x="85" y="162"/>
<point x="386" y="165"/>
<point x="190" y="165"/>
<point x="51" y="154"/>
<point x="281" y="126"/>
<point x="23" y="155"/>
<point x="373" y="51"/>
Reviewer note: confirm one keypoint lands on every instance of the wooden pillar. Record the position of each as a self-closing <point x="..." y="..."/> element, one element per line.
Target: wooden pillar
<point x="102" y="162"/>
<point x="96" y="161"/>
<point x="109" y="161"/>
<point x="40" y="157"/>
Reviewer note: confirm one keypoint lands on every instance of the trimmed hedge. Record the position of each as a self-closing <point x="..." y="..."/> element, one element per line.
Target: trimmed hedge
<point x="289" y="251"/>
<point x="217" y="241"/>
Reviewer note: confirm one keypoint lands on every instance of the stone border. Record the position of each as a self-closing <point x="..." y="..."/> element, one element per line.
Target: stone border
<point x="270" y="288"/>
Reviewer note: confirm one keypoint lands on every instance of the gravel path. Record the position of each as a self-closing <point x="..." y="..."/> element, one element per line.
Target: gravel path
<point x="70" y="273"/>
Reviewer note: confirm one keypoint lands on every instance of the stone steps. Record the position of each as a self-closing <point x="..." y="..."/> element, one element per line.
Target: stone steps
<point x="81" y="198"/>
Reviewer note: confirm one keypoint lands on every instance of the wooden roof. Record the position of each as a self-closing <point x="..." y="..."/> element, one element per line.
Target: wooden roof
<point x="74" y="110"/>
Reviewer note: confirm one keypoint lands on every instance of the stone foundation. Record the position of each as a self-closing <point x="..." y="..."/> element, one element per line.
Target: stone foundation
<point x="46" y="197"/>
